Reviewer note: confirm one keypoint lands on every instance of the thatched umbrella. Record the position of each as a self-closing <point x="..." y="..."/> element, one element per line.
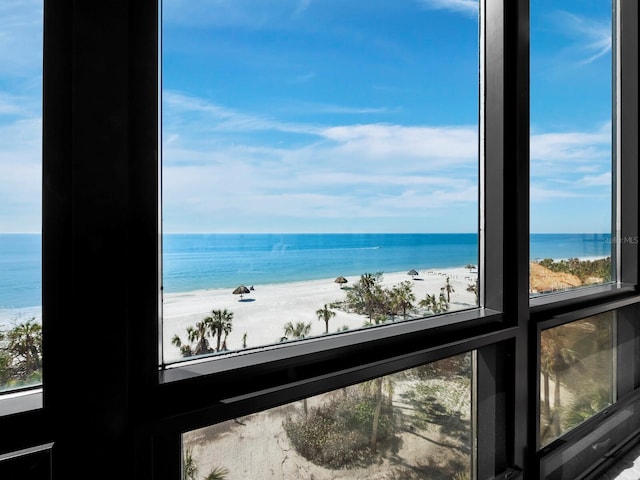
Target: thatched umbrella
<point x="341" y="280"/>
<point x="241" y="290"/>
<point x="413" y="273"/>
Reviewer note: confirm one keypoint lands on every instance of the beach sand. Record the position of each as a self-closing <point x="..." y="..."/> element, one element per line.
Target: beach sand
<point x="257" y="446"/>
<point x="263" y="313"/>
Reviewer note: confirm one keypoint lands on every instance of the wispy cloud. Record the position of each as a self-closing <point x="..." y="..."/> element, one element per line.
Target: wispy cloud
<point x="21" y="24"/>
<point x="339" y="173"/>
<point x="177" y="105"/>
<point x="253" y="14"/>
<point x="310" y="108"/>
<point x="571" y="165"/>
<point x="541" y="194"/>
<point x="604" y="179"/>
<point x="593" y="37"/>
<point x="302" y="6"/>
<point x="18" y="105"/>
<point x="467" y="7"/>
<point x="21" y="137"/>
<point x="20" y="176"/>
<point x="581" y="147"/>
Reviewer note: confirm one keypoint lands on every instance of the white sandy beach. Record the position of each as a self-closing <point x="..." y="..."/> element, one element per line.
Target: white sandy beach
<point x="263" y="313"/>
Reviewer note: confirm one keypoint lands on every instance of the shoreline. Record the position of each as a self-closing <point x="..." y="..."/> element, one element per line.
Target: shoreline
<point x="263" y="313"/>
<point x="275" y="304"/>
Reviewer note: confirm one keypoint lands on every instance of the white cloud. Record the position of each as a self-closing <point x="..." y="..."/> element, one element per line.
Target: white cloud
<point x="572" y="146"/>
<point x="20" y="192"/>
<point x="398" y="143"/>
<point x="368" y="171"/>
<point x="322" y="179"/>
<point x="592" y="37"/>
<point x="177" y="106"/>
<point x="467" y="7"/>
<point x="23" y="136"/>
<point x="21" y="24"/>
<point x="603" y="179"/>
<point x="18" y="105"/>
<point x="333" y="172"/>
<point x="538" y="194"/>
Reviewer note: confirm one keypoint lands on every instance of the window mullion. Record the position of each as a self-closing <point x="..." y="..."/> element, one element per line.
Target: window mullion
<point x="505" y="197"/>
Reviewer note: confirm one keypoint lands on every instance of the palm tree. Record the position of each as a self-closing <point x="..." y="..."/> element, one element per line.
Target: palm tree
<point x="227" y="330"/>
<point x="220" y="321"/>
<point x="555" y="358"/>
<point x="326" y="315"/>
<point x="185" y="350"/>
<point x="427" y="302"/>
<point x="376" y="414"/>
<point x="443" y="302"/>
<point x="449" y="289"/>
<point x="436" y="306"/>
<point x="298" y="331"/>
<point x="198" y="335"/>
<point x="189" y="467"/>
<point x="25" y="347"/>
<point x="402" y="297"/>
<point x="376" y="386"/>
<point x="367" y="296"/>
<point x="473" y="287"/>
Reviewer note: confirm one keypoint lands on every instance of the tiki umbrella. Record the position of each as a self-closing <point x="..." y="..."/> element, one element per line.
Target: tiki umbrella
<point x="241" y="290"/>
<point x="413" y="273"/>
<point x="341" y="280"/>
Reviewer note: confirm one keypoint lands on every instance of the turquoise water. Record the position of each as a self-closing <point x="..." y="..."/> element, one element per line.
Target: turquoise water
<point x="199" y="261"/>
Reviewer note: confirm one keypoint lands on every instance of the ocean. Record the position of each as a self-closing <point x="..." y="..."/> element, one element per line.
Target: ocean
<point x="201" y="261"/>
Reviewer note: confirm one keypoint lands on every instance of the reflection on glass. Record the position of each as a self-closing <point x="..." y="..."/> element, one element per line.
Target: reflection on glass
<point x="412" y="425"/>
<point x="306" y="144"/>
<point x="21" y="25"/>
<point x="571" y="144"/>
<point x="576" y="374"/>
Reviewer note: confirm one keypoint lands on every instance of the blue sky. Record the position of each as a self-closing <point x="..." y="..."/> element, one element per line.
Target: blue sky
<point x="337" y="116"/>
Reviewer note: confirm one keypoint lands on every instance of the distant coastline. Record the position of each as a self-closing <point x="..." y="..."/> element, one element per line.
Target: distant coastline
<point x="194" y="262"/>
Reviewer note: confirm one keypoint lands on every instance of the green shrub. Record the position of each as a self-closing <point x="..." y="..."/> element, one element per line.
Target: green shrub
<point x="337" y="434"/>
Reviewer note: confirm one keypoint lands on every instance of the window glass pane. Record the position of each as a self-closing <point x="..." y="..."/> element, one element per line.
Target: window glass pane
<point x="20" y="193"/>
<point x="412" y="425"/>
<point x="576" y="374"/>
<point x="571" y="144"/>
<point x="309" y="143"/>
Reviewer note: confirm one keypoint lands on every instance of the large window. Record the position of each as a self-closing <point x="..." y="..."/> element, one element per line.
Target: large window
<point x="552" y="386"/>
<point x="20" y="194"/>
<point x="572" y="148"/>
<point x="320" y="169"/>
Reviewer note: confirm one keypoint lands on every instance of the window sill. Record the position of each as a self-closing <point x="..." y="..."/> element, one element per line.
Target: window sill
<point x="555" y="303"/>
<point x="319" y="348"/>
<point x="20" y="402"/>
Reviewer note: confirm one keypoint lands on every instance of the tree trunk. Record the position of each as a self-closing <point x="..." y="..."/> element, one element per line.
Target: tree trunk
<point x="556" y="404"/>
<point x="547" y="407"/>
<point x="376" y="415"/>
